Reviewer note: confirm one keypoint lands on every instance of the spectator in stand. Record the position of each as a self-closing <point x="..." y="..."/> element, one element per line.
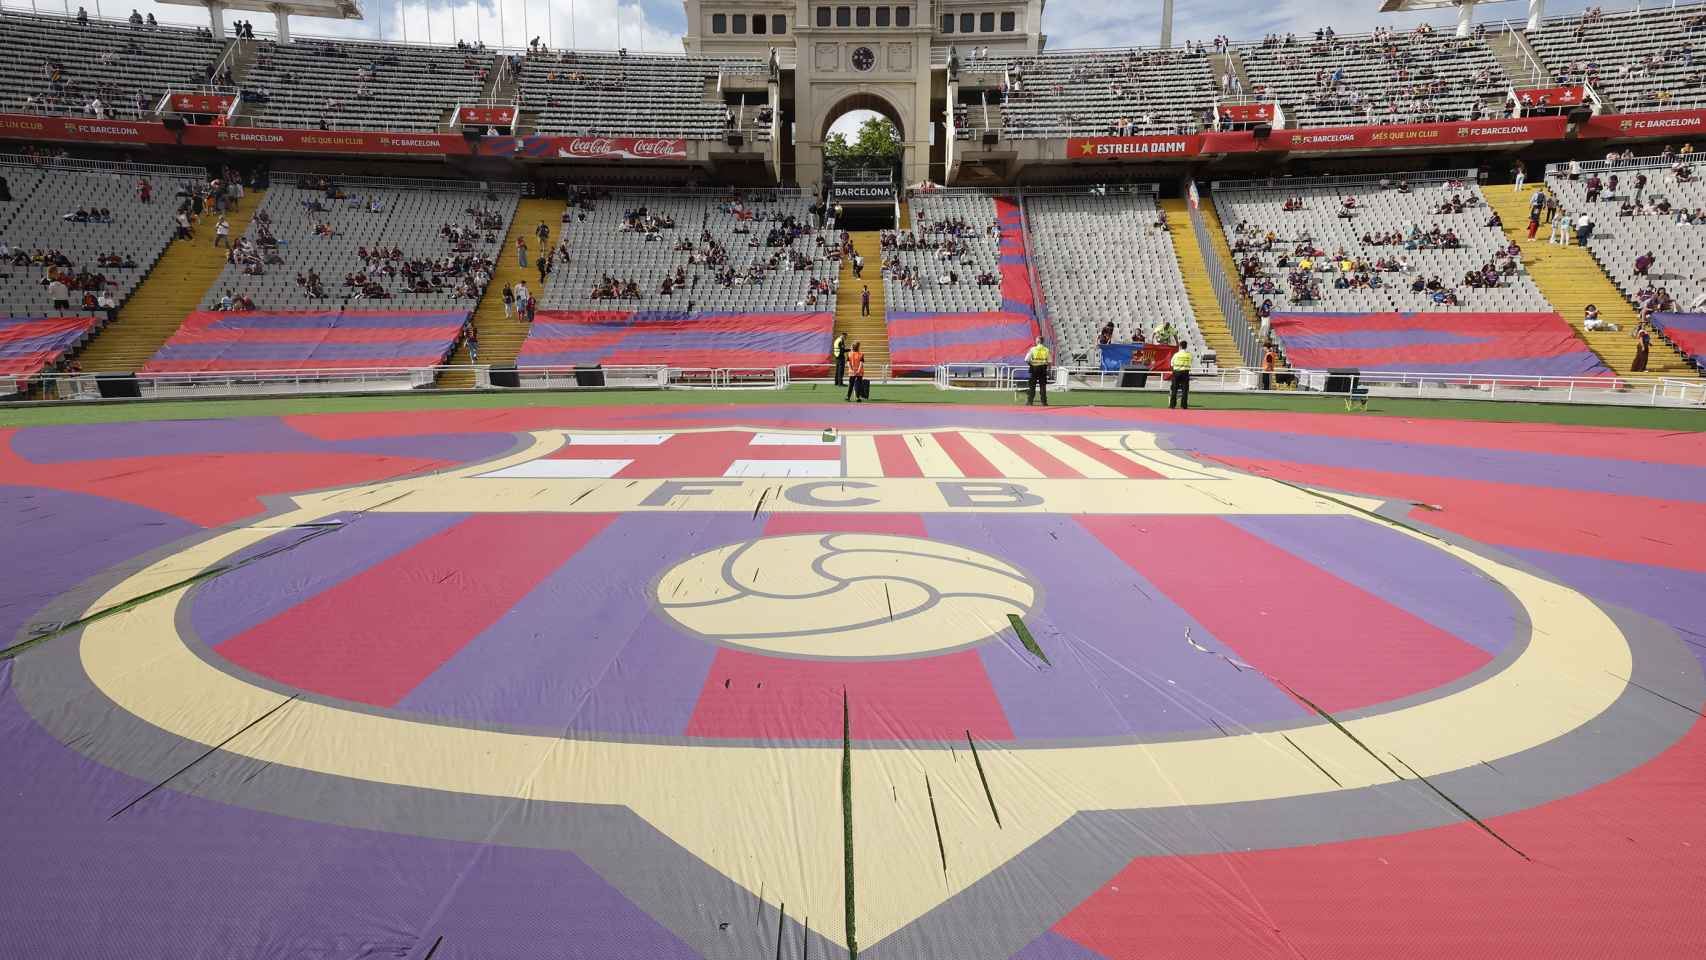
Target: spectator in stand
<point x="58" y="293"/>
<point x="222" y="233"/>
<point x="1643" y="342"/>
<point x="1644" y="264"/>
<point x="1519" y="176"/>
<point x="509" y="301"/>
<point x="1591" y="320"/>
<point x="864" y="301"/>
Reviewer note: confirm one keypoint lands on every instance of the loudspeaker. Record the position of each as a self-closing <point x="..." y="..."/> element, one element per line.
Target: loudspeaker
<point x="736" y="139"/>
<point x="174" y="124"/>
<point x="1134" y="378"/>
<point x="1581" y="114"/>
<point x="473" y="133"/>
<point x="991" y="138"/>
<point x="589" y="376"/>
<point x="505" y="376"/>
<point x="1341" y="381"/>
<point x="1262" y="131"/>
<point x="116" y="386"/>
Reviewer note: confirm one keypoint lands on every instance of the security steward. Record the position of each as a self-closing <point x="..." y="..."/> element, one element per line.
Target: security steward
<point x="1037" y="359"/>
<point x="839" y="352"/>
<point x="1180" y="393"/>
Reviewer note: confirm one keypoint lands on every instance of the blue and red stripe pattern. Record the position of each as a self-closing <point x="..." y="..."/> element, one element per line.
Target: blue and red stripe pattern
<point x="308" y="340"/>
<point x="1537" y="344"/>
<point x="927" y="339"/>
<point x="1687" y="331"/>
<point x="999" y="336"/>
<point x="29" y="344"/>
<point x="675" y="338"/>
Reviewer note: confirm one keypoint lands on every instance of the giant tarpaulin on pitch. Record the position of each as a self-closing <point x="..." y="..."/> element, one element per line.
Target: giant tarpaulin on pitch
<point x="649" y="681"/>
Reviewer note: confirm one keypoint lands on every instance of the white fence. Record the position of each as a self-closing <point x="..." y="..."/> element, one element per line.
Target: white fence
<point x="1605" y="390"/>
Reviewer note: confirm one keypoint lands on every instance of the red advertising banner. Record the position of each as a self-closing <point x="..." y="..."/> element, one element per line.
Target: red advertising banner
<point x="202" y="102"/>
<point x="1132" y="148"/>
<point x="324" y="141"/>
<point x="1551" y="96"/>
<point x="490" y="116"/>
<point x="23" y="127"/>
<point x="1403" y="135"/>
<point x="1246" y="112"/>
<point x="1669" y="123"/>
<point x="585" y="148"/>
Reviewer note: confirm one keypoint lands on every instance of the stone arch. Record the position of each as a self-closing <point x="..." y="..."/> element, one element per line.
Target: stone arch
<point x="862" y="100"/>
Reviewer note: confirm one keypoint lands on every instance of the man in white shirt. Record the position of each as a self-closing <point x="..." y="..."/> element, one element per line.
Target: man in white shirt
<point x="59" y="294"/>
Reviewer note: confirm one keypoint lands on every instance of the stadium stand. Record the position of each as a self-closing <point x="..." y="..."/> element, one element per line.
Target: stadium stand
<point x="359" y="85"/>
<point x="1537" y="344"/>
<point x="1105" y="258"/>
<point x="635" y="94"/>
<point x="738" y="279"/>
<point x="55" y="65"/>
<point x="84" y="225"/>
<point x="1101" y="92"/>
<point x="364" y="240"/>
<point x="1389" y="76"/>
<point x="1642" y="59"/>
<point x="1323" y="255"/>
<point x="212" y="341"/>
<point x="1667" y="223"/>
<point x="957" y="285"/>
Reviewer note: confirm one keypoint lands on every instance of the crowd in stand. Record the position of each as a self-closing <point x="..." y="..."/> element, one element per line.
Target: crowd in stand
<point x="949" y="240"/>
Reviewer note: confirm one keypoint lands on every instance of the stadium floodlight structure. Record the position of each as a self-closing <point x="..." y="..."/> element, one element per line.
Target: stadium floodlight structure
<point x="1465" y="10"/>
<point x="281" y="11"/>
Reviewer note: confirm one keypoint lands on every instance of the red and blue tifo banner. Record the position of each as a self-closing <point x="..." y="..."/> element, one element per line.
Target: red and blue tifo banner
<point x="1537" y="344"/>
<point x="676" y="339"/>
<point x="308" y="340"/>
<point x="922" y="339"/>
<point x="1687" y="331"/>
<point x="29" y="344"/>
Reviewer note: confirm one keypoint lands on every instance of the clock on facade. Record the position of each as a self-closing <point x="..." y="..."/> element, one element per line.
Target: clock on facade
<point x="864" y="59"/>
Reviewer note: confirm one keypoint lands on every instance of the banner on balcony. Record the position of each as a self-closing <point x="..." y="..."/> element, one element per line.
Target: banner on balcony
<point x="489" y="116"/>
<point x="201" y="102"/>
<point x="1669" y="123"/>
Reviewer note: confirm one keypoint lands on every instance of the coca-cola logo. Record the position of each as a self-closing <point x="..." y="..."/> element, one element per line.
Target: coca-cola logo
<point x="659" y="148"/>
<point x="595" y="147"/>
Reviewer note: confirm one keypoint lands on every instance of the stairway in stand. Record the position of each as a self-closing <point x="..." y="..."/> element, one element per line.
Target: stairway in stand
<point x="172" y="290"/>
<point x="871" y="331"/>
<point x="1570" y="279"/>
<point x="1198" y="289"/>
<point x="1222" y="252"/>
<point x="500" y="336"/>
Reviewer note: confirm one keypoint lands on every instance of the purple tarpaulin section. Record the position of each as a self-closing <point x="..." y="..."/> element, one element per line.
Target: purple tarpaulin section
<point x="677" y="339"/>
<point x="28" y="345"/>
<point x="1536" y="344"/>
<point x="1687" y="331"/>
<point x="211" y="341"/>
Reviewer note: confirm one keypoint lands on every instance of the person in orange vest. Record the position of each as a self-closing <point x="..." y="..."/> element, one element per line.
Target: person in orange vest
<point x="1270" y="360"/>
<point x="856" y="374"/>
